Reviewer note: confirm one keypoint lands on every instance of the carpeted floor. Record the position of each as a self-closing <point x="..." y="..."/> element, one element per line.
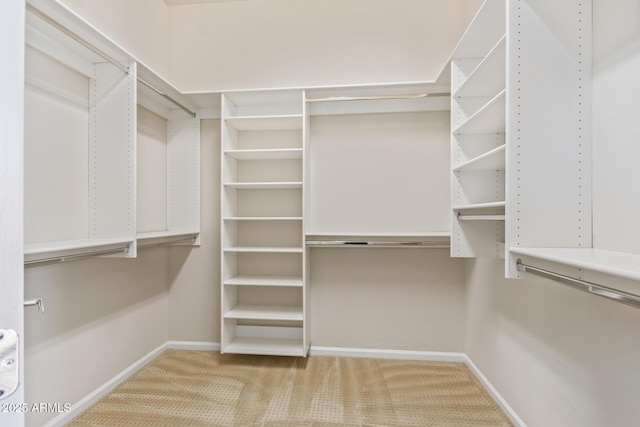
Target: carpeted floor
<point x="199" y="388"/>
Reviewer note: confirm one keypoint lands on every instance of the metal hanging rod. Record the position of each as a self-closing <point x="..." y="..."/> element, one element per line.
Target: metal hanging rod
<point x="74" y="36"/>
<point x="167" y="97"/>
<point x="593" y="288"/>
<point x="480" y="217"/>
<point x="359" y="244"/>
<point x="377" y="97"/>
<point x="75" y="257"/>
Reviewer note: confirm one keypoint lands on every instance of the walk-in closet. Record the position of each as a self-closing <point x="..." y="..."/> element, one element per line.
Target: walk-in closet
<point x="319" y="212"/>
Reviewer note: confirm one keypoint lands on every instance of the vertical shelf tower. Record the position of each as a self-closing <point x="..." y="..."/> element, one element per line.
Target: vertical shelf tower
<point x="264" y="295"/>
<point x="478" y="144"/>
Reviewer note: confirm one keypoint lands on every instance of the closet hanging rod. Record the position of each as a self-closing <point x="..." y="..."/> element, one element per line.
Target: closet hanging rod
<point x="377" y="97"/>
<point x="593" y="288"/>
<point x="74" y="36"/>
<point x="359" y="244"/>
<point x="167" y="97"/>
<point x="74" y="257"/>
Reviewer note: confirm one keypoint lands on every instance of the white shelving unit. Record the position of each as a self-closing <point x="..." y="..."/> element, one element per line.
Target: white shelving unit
<point x="264" y="296"/>
<point x="168" y="164"/>
<point x="103" y="176"/>
<point x="80" y="141"/>
<point x="478" y="143"/>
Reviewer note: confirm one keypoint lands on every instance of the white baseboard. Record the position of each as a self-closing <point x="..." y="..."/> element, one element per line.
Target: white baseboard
<point x="515" y="419"/>
<point x="434" y="356"/>
<point x="106" y="388"/>
<point x="374" y="353"/>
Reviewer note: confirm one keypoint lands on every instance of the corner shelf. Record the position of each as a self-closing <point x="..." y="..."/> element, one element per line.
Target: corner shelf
<point x="264" y="249"/>
<point x="493" y="160"/>
<point x="488" y="119"/>
<point x="162" y="238"/>
<point x="488" y="78"/>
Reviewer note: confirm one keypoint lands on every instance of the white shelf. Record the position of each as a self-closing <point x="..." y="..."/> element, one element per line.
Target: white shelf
<point x="265" y="312"/>
<point x="283" y="281"/>
<point x="267" y="154"/>
<point x="488" y="119"/>
<point x="284" y="122"/>
<point x="37" y="252"/>
<point x="493" y="160"/>
<point x="165" y="237"/>
<point x="269" y="346"/>
<point x="481" y="206"/>
<point x="264" y="249"/>
<point x="263" y="218"/>
<point x="618" y="264"/>
<point x="263" y="185"/>
<point x="489" y="77"/>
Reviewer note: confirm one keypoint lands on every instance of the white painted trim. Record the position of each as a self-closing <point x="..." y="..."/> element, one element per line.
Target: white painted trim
<point x="372" y="353"/>
<point x="193" y="345"/>
<point x="93" y="397"/>
<point x="508" y="410"/>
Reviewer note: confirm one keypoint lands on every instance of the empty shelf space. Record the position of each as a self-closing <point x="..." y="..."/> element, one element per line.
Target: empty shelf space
<point x="619" y="264"/>
<point x="265" y="312"/>
<point x="276" y="122"/>
<point x="266" y="154"/>
<point x="69" y="249"/>
<point x="263" y="218"/>
<point x="263" y="185"/>
<point x="264" y="249"/>
<point x="488" y="119"/>
<point x="493" y="160"/>
<point x="267" y="346"/>
<point x="489" y="77"/>
<point x="284" y="281"/>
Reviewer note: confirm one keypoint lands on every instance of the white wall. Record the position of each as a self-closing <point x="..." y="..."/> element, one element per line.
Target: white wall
<point x="194" y="296"/>
<point x="290" y="43"/>
<point x="101" y="316"/>
<point x="407" y="299"/>
<point x="559" y="356"/>
<point x="140" y="26"/>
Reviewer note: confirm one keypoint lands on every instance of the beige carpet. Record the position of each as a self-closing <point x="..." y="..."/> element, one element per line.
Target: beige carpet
<point x="199" y="388"/>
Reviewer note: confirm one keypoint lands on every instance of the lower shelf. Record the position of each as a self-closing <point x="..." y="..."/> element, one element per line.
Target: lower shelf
<point x="266" y="346"/>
